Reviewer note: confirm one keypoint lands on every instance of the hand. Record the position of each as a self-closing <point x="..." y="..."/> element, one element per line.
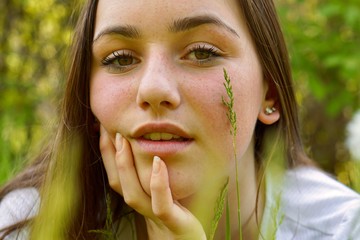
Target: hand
<point x="165" y="218"/>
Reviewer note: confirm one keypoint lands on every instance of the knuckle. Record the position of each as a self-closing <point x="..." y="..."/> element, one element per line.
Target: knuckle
<point x="115" y="185"/>
<point x="131" y="201"/>
<point x="163" y="214"/>
<point x="163" y="211"/>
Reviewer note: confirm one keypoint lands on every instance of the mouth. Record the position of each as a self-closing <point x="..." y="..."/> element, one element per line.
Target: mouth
<point x="163" y="136"/>
<point x="161" y="132"/>
<point x="161" y="139"/>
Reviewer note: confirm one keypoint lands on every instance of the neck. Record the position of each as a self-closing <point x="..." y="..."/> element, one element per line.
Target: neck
<point x="251" y="200"/>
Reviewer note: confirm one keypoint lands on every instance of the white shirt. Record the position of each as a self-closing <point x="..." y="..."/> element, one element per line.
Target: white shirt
<point x="311" y="205"/>
<point x="18" y="205"/>
<point x="301" y="204"/>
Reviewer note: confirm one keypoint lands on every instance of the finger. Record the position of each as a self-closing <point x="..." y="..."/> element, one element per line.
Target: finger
<point x="162" y="201"/>
<point x="108" y="151"/>
<point x="133" y="193"/>
<point x="175" y="217"/>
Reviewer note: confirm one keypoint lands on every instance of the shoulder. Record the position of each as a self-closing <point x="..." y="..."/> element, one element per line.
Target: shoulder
<point x="316" y="206"/>
<point x="314" y="186"/>
<point x="20" y="204"/>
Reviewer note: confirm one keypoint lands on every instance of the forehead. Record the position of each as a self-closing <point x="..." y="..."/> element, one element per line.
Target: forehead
<point x="154" y="15"/>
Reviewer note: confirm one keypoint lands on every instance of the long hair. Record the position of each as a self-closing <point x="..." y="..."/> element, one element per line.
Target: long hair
<point x="263" y="25"/>
<point x="75" y="145"/>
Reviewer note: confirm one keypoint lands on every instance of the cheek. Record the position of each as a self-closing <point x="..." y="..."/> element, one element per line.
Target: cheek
<point x="108" y="98"/>
<point x="208" y="115"/>
<point x="206" y="101"/>
<point x="206" y="97"/>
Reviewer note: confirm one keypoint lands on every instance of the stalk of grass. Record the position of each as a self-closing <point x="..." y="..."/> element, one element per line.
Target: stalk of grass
<point x="231" y="115"/>
<point x="107" y="231"/>
<point x="228" y="227"/>
<point x="277" y="219"/>
<point x="220" y="203"/>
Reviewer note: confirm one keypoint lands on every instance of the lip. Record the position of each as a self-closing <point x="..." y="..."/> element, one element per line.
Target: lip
<point x="161" y="148"/>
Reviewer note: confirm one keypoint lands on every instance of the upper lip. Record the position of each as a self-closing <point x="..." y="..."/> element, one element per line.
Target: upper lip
<point x="160" y="128"/>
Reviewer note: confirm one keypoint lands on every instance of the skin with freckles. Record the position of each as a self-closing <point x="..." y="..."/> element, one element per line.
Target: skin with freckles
<point x="156" y="88"/>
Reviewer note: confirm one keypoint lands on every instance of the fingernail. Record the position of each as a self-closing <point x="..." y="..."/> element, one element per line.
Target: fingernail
<point x="118" y="141"/>
<point x="156" y="165"/>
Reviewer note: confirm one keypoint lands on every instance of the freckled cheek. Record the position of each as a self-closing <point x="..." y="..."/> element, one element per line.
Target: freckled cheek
<point x="205" y="99"/>
<point x="206" y="103"/>
<point x="108" y="99"/>
<point x="212" y="126"/>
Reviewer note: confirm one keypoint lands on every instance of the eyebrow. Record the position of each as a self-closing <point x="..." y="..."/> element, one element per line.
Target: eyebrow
<point x="188" y="23"/>
<point x="127" y="31"/>
<point x="180" y="25"/>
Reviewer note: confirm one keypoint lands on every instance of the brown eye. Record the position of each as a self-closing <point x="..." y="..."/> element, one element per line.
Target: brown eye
<point x="202" y="54"/>
<point x="124" y="60"/>
<point x="120" y="61"/>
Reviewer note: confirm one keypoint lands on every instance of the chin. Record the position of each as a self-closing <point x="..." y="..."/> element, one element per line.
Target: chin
<point x="181" y="187"/>
<point x="182" y="192"/>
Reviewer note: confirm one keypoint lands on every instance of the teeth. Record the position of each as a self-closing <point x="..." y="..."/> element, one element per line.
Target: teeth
<point x="161" y="136"/>
<point x="153" y="136"/>
<point x="166" y="136"/>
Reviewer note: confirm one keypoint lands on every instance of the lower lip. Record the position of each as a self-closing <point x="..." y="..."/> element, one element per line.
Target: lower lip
<point x="162" y="148"/>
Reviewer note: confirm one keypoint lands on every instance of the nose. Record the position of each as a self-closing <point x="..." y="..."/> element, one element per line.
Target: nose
<point x="158" y="88"/>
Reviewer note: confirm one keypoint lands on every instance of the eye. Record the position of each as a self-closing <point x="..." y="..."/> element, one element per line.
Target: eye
<point x="120" y="61"/>
<point x="202" y="54"/>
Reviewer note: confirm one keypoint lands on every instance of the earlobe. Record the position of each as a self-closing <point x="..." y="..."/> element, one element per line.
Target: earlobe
<point x="270" y="109"/>
<point x="269" y="112"/>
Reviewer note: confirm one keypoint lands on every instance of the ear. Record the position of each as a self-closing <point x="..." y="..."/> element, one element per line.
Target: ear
<point x="270" y="108"/>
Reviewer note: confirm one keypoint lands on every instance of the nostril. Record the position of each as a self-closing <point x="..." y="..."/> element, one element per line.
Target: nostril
<point x="166" y="104"/>
<point x="145" y="104"/>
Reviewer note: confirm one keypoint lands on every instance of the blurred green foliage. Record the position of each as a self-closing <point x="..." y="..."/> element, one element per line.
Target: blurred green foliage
<point x="33" y="40"/>
<point x="324" y="43"/>
<point x="323" y="39"/>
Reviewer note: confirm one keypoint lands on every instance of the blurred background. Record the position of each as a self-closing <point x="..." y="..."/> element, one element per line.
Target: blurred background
<point x="324" y="43"/>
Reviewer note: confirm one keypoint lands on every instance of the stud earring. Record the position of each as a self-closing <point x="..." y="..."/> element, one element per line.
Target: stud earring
<point x="269" y="110"/>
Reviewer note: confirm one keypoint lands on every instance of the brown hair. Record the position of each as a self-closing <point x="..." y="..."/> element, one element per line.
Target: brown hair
<point x="263" y="24"/>
<point x="76" y="127"/>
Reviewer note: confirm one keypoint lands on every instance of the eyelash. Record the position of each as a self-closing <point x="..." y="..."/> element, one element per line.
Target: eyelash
<point x="110" y="60"/>
<point x="211" y="50"/>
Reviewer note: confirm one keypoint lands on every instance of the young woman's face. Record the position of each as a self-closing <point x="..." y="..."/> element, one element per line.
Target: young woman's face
<point x="157" y="78"/>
